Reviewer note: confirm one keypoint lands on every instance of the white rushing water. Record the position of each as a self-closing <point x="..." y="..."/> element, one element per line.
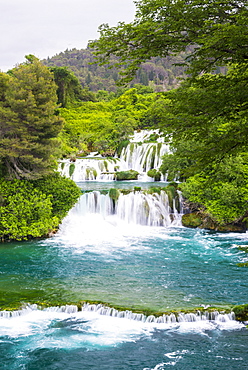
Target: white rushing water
<point x="100" y="325"/>
<point x="139" y="156"/>
<point x="136" y="207"/>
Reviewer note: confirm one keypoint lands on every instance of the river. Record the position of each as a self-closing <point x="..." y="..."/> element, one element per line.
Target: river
<point x="97" y="257"/>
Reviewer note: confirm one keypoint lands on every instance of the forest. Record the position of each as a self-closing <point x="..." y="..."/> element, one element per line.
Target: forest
<point x="159" y="73"/>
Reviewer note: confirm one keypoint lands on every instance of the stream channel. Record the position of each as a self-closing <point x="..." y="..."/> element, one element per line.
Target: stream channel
<point x="99" y="256"/>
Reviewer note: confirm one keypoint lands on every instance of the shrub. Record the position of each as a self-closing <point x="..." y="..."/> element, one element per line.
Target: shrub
<point x="25" y="212"/>
<point x="62" y="191"/>
<point x="31" y="209"/>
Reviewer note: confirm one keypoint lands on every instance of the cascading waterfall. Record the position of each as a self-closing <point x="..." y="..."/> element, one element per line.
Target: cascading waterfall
<point x="143" y="157"/>
<point x="89" y="169"/>
<point x="164" y="318"/>
<point x="103" y="310"/>
<point x="139" y="155"/>
<point x="136" y="207"/>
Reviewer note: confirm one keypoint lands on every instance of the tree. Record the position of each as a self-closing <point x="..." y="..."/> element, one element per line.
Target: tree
<point x="69" y="89"/>
<point x="29" y="122"/>
<point x="206" y="117"/>
<point x="215" y="33"/>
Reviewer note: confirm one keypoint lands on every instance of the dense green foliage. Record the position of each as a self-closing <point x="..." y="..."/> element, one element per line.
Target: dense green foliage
<point x="205" y="119"/>
<point x="29" y="125"/>
<point x="208" y="122"/>
<point x="25" y="211"/>
<point x="215" y="33"/>
<point x="106" y="125"/>
<point x="159" y="73"/>
<point x="34" y="209"/>
<point x="62" y="192"/>
<point x="154" y="174"/>
<point x="69" y="89"/>
<point x="33" y="199"/>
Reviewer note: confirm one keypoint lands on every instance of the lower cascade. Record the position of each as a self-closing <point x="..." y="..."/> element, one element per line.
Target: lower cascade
<point x="136" y="207"/>
<point x="100" y="309"/>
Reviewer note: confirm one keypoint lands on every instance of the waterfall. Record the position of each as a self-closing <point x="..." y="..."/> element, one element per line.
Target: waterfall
<point x="89" y="169"/>
<point x="143" y="157"/>
<point x="139" y="155"/>
<point x="136" y="207"/>
<point x="169" y="318"/>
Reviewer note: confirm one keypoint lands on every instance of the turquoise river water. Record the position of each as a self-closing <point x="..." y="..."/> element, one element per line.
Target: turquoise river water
<point x="93" y="258"/>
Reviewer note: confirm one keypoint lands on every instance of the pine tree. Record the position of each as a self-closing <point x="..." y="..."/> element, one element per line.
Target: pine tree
<point x="29" y="124"/>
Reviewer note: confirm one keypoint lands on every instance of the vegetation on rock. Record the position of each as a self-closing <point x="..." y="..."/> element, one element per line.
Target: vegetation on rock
<point x="155" y="174"/>
<point x="126" y="175"/>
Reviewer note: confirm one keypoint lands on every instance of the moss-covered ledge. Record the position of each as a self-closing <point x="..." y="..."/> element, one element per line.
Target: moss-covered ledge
<point x="204" y="221"/>
<point x="240" y="311"/>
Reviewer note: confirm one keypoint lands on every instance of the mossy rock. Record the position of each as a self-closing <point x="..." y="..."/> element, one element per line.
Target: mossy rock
<point x="204" y="221"/>
<point x="242" y="264"/>
<point x="71" y="169"/>
<point x="243" y="248"/>
<point x="114" y="193"/>
<point x="127" y="175"/>
<point x="155" y="174"/>
<point x="241" y="312"/>
<point x="191" y="220"/>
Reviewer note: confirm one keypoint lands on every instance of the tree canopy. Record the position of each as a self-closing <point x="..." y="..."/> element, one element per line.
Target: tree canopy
<point x="29" y="123"/>
<point x="159" y="73"/>
<point x="216" y="32"/>
<point x="69" y="89"/>
<point x="205" y="119"/>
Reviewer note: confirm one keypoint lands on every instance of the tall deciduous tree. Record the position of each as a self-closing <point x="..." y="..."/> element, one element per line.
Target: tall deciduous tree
<point x="207" y="116"/>
<point x="29" y="124"/>
<point x="215" y="31"/>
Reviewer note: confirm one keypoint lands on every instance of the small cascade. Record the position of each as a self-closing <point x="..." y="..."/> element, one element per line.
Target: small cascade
<point x="100" y="309"/>
<point x="89" y="169"/>
<point x="169" y="318"/>
<point x="69" y="309"/>
<point x="142" y="157"/>
<point x="136" y="207"/>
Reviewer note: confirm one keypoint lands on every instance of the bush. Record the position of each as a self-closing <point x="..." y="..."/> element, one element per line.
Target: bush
<point x="34" y="209"/>
<point x="62" y="191"/>
<point x="114" y="193"/>
<point x="25" y="212"/>
<point x="241" y="312"/>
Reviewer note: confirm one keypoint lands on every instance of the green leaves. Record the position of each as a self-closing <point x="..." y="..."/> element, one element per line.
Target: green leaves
<point x="216" y="31"/>
<point x="34" y="209"/>
<point x="26" y="212"/>
<point x="29" y="125"/>
<point x="102" y="126"/>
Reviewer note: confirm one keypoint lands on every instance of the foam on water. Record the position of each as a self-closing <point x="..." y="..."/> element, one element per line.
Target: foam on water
<point x="97" y="325"/>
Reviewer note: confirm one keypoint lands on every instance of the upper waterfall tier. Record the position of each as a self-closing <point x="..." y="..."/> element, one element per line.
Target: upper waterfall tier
<point x="139" y="155"/>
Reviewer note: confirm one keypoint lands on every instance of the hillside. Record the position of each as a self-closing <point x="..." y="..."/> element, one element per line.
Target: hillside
<point x="159" y="73"/>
